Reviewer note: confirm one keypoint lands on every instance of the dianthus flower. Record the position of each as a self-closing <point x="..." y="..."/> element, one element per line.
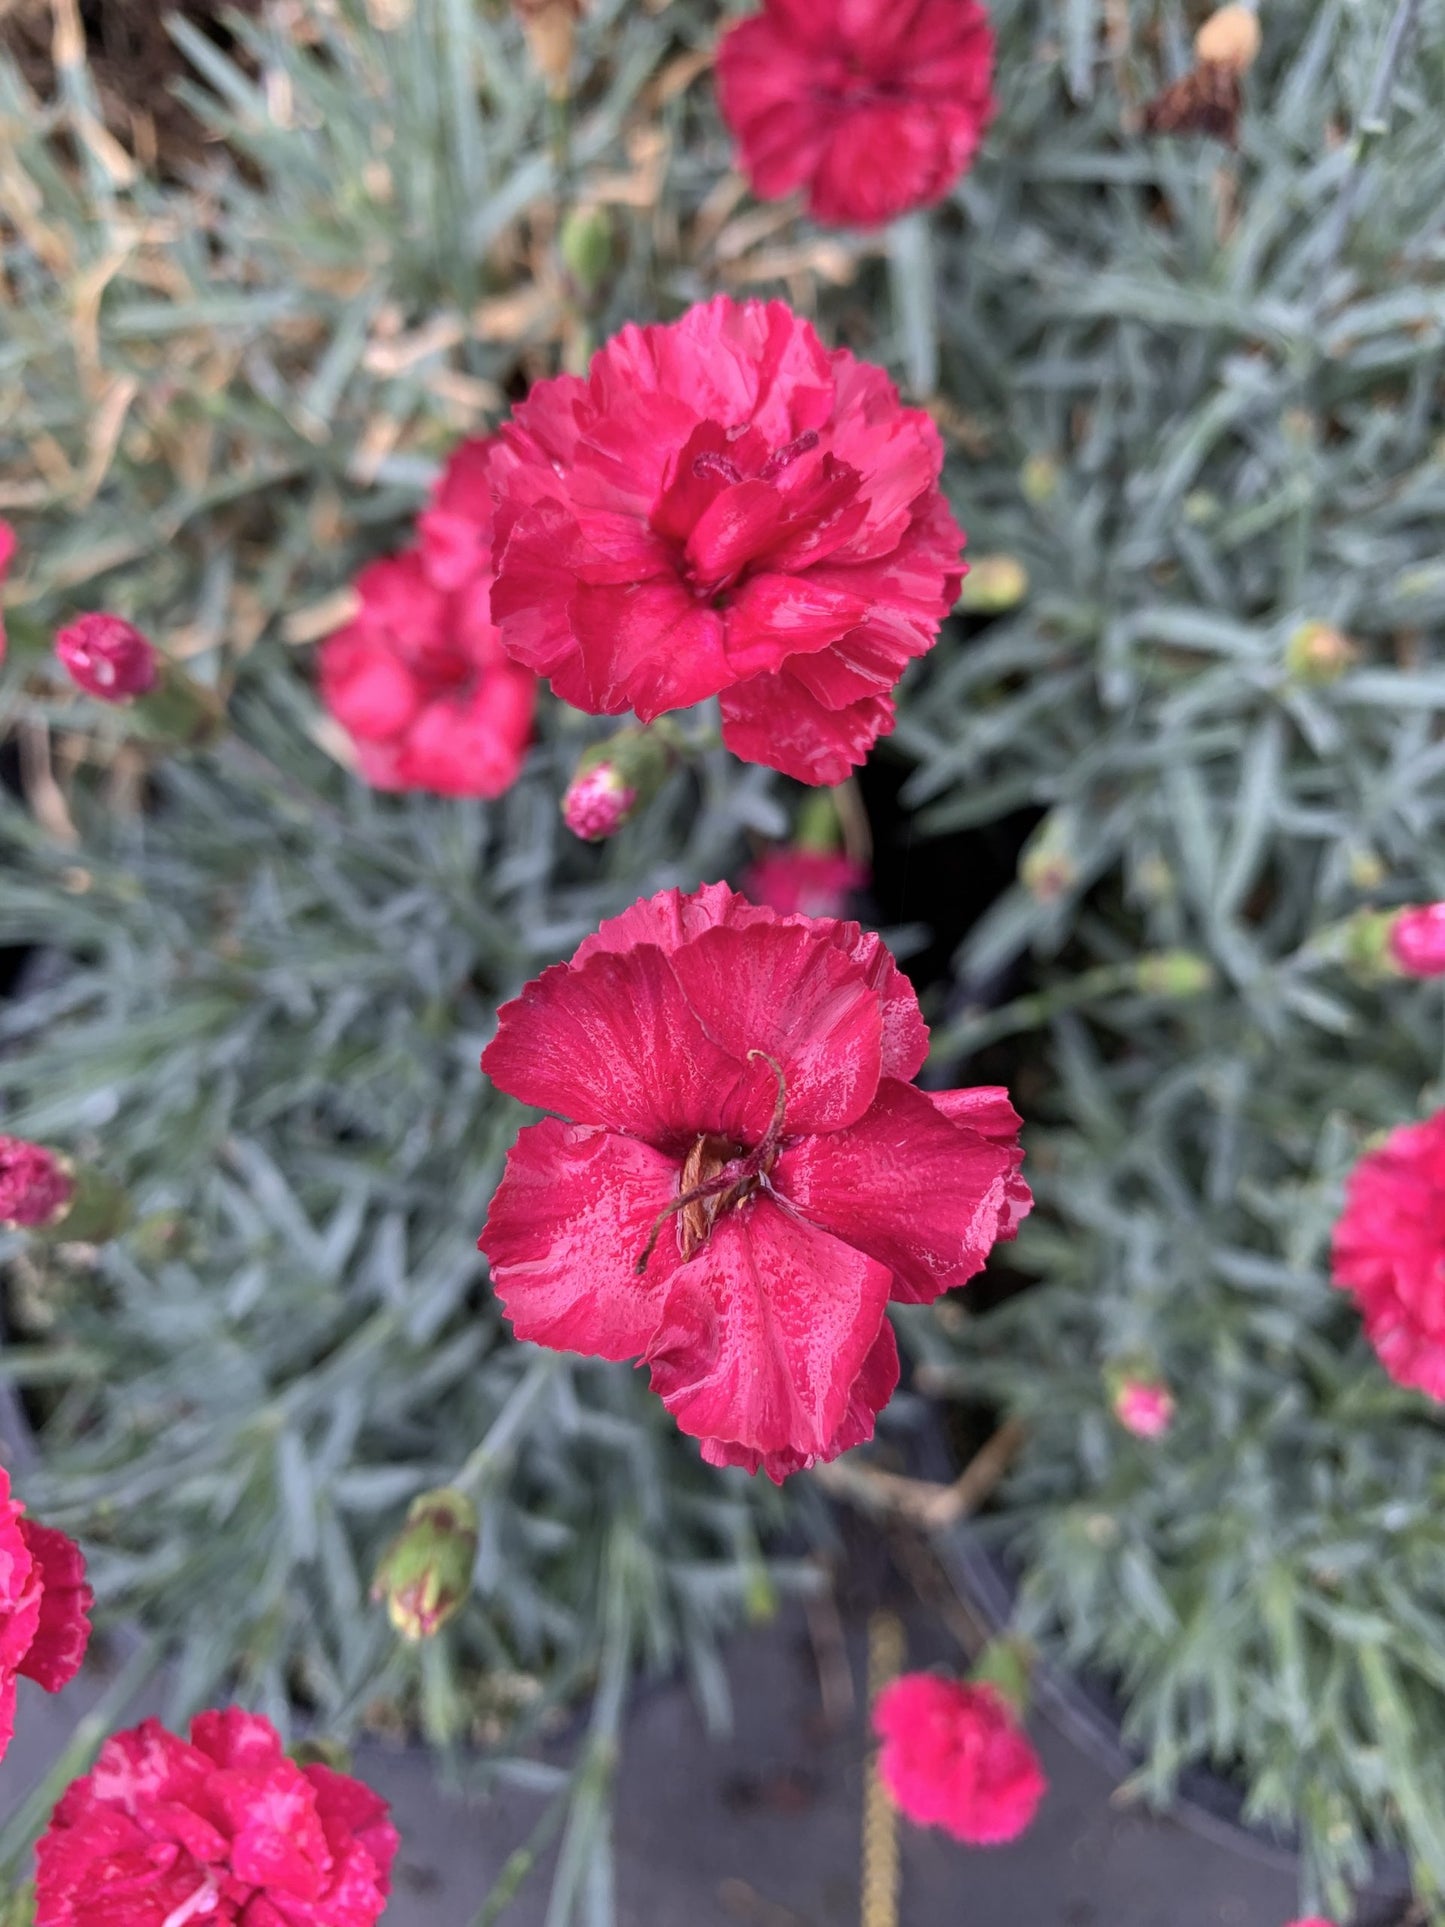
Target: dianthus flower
<point x="817" y="883"/>
<point x="1144" y="1407"/>
<point x="7" y="556"/>
<point x="225" y="1831"/>
<point x="107" y="657"/>
<point x="1389" y="1251"/>
<point x="748" y="1178"/>
<point x="419" y="678"/>
<point x="955" y="1756"/>
<point x="872" y="107"/>
<point x="1417" y="940"/>
<point x="35" y="1187"/>
<point x="723" y="508"/>
<point x="44" y="1606"/>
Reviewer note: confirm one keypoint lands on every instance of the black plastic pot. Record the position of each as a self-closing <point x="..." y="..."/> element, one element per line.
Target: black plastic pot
<point x="1089" y="1712"/>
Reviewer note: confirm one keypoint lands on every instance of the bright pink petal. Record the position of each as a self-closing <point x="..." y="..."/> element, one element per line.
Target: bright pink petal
<point x="570" y="1221"/>
<point x="773" y="719"/>
<point x="649" y="647"/>
<point x="765" y="1333"/>
<point x="614" y="1042"/>
<point x="63" y="1631"/>
<point x="926" y="1197"/>
<point x="871" y="1391"/>
<point x="789" y="993"/>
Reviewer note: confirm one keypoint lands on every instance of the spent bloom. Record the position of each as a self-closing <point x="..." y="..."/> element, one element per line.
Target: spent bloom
<point x="1389" y="1252"/>
<point x="724" y="508"/>
<point x="418" y="678"/>
<point x="817" y="883"/>
<point x="1144" y="1407"/>
<point x="44" y="1606"/>
<point x="1417" y="940"/>
<point x="222" y="1829"/>
<point x="955" y="1756"/>
<point x="35" y="1187"/>
<point x="746" y="1177"/>
<point x="426" y="1572"/>
<point x="872" y="107"/>
<point x="107" y="657"/>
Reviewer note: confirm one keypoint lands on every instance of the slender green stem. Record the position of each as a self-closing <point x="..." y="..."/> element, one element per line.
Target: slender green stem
<point x="913" y="275"/>
<point x="505" y="1429"/>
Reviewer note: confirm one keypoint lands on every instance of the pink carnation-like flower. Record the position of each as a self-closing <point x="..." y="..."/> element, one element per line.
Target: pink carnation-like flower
<point x="419" y="678"/>
<point x="954" y="1756"/>
<point x="723" y="508"/>
<point x="35" y="1187"/>
<point x="7" y="556"/>
<point x="44" y="1606"/>
<point x="1417" y="940"/>
<point x="815" y="883"/>
<point x="872" y="107"/>
<point x="597" y="804"/>
<point x="748" y="1178"/>
<point x="1389" y="1251"/>
<point x="1315" y="1920"/>
<point x="222" y="1832"/>
<point x="107" y="657"/>
<point x="1144" y="1407"/>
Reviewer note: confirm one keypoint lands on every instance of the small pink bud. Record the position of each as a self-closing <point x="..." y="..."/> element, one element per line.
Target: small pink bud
<point x="1144" y="1407"/>
<point x="108" y="657"/>
<point x="35" y="1187"/>
<point x="597" y="804"/>
<point x="1417" y="940"/>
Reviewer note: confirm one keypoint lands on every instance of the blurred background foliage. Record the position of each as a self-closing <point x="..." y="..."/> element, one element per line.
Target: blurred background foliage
<point x="1194" y="391"/>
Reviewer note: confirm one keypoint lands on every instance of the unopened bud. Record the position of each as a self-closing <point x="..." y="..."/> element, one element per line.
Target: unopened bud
<point x="1144" y="1406"/>
<point x="107" y="657"/>
<point x="1318" y="653"/>
<point x="585" y="245"/>
<point x="426" y="1572"/>
<point x="1047" y="868"/>
<point x="1417" y="940"/>
<point x="1039" y="479"/>
<point x="597" y="803"/>
<point x="37" y="1185"/>
<point x="1006" y="1663"/>
<point x="993" y="585"/>
<point x="617" y="778"/>
<point x="1229" y="38"/>
<point x="551" y="30"/>
<point x="1175" y="973"/>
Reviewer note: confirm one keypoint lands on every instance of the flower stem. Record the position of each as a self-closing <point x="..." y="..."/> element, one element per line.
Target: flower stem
<point x="914" y="279"/>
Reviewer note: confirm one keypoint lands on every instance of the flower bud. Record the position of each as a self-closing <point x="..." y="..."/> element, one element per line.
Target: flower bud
<point x="1048" y="869"/>
<point x="1175" y="973"/>
<point x="426" y="1572"/>
<point x="994" y="584"/>
<point x="1417" y="940"/>
<point x="36" y="1185"/>
<point x="1229" y="38"/>
<point x="551" y="30"/>
<point x="585" y="245"/>
<point x="1144" y="1407"/>
<point x="1318" y="653"/>
<point x="598" y="802"/>
<point x="107" y="657"/>
<point x="1039" y="479"/>
<point x="616" y="778"/>
<point x="7" y="553"/>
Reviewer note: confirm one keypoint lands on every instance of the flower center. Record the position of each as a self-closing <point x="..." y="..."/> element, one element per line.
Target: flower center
<point x="716" y="1175"/>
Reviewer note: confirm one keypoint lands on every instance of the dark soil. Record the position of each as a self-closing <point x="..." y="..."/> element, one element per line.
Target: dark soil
<point x="135" y="63"/>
